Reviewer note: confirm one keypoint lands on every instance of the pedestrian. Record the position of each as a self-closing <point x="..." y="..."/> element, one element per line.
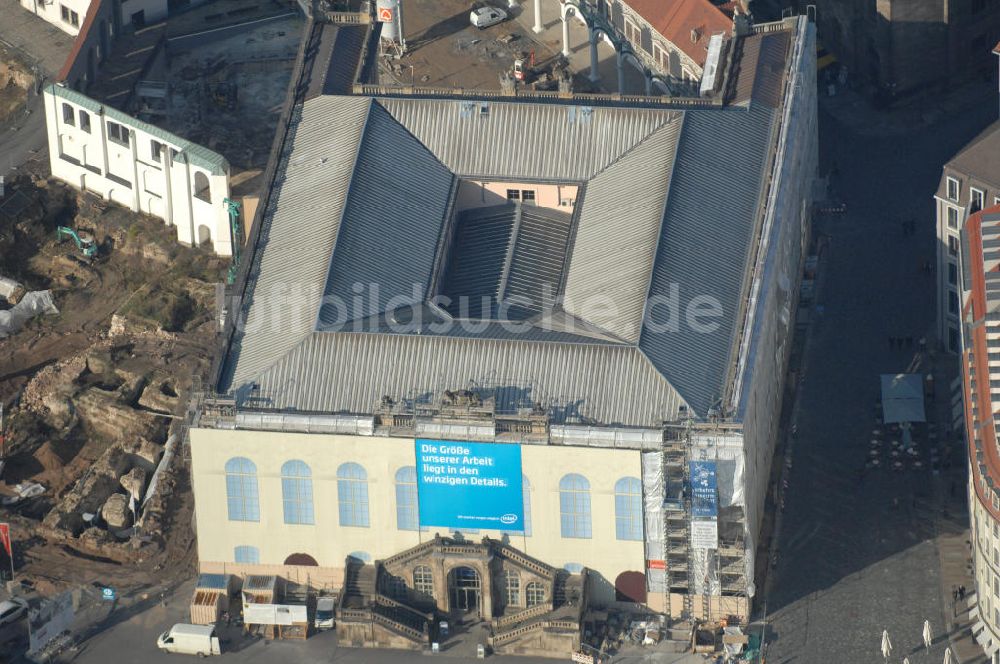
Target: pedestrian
<point x="954" y="594"/>
<point x="961" y="592"/>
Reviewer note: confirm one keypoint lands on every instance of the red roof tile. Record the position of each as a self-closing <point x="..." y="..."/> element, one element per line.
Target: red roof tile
<point x="676" y="19"/>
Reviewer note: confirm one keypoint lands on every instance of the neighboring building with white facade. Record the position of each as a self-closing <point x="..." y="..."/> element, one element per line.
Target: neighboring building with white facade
<point x="69" y="15"/>
<point x="969" y="182"/>
<point x="99" y="149"/>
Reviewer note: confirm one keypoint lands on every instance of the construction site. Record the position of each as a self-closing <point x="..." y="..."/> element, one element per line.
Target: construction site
<point x="94" y="389"/>
<point x="107" y="323"/>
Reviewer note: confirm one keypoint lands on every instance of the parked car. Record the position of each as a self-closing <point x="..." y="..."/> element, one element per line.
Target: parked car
<point x="485" y="17"/>
<point x="198" y="640"/>
<point x="12" y="610"/>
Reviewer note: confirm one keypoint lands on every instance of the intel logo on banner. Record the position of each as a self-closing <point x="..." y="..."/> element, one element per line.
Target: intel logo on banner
<point x="469" y="485"/>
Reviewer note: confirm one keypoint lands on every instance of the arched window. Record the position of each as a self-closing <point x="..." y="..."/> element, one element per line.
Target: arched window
<point x="297" y="492"/>
<point x="526" y="493"/>
<point x="248" y="555"/>
<point x="574" y="506"/>
<point x="628" y="508"/>
<point x="423" y="580"/>
<point x="241" y="490"/>
<point x="360" y="556"/>
<point x="202" y="189"/>
<point x="352" y="495"/>
<point x="512" y="587"/>
<point x="534" y="594"/>
<point x="406" y="498"/>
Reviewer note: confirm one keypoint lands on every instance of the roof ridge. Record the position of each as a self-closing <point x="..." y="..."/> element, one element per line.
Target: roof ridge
<point x="670" y="118"/>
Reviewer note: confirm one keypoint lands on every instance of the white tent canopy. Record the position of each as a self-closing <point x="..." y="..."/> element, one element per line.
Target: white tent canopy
<point x="902" y="398"/>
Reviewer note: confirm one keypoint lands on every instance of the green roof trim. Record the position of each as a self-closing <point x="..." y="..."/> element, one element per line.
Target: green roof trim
<point x="194" y="154"/>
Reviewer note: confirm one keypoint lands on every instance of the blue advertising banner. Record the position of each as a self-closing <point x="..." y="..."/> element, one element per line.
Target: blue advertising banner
<point x="704" y="489"/>
<point x="469" y="485"/>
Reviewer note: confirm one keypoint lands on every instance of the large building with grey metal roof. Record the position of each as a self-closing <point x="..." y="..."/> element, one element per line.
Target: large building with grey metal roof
<point x="607" y="285"/>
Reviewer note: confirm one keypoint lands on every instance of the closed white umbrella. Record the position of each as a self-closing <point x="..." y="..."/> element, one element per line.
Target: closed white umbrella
<point x="887" y="645"/>
<point x="928" y="637"/>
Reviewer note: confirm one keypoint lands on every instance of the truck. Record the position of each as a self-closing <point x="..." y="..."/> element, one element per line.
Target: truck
<point x="187" y="639"/>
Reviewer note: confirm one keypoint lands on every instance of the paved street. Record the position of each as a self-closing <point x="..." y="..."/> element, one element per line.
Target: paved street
<point x="851" y="562"/>
<point x="131" y="639"/>
<point x="46" y="47"/>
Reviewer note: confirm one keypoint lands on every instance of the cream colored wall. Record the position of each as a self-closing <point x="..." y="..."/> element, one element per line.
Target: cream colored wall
<point x="474" y="193"/>
<point x="330" y="544"/>
<point x="52" y="13"/>
<point x="148" y="180"/>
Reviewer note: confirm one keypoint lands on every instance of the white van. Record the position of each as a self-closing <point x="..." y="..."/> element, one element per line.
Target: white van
<point x="325" y="607"/>
<point x="198" y="640"/>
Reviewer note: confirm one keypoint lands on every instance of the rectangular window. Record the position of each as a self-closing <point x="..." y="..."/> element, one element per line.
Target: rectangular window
<point x="976" y="198"/>
<point x="953" y="245"/>
<point x="953" y="302"/>
<point x="528" y="196"/>
<point x="513" y="194"/>
<point x="952" y="274"/>
<point x="69" y="16"/>
<point x="953" y="343"/>
<point x="248" y="555"/>
<point x="952" y="192"/>
<point x="85" y="121"/>
<point x="155" y="147"/>
<point x="118" y="133"/>
<point x="632" y="32"/>
<point x="68" y="116"/>
<point x="952" y="217"/>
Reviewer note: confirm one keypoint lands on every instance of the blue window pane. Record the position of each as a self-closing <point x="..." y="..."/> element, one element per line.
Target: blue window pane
<point x="628" y="509"/>
<point x="406" y="498"/>
<point x="352" y="495"/>
<point x="296" y="493"/>
<point x="574" y="507"/>
<point x="242" y="499"/>
<point x="249" y="555"/>
<point x="526" y="492"/>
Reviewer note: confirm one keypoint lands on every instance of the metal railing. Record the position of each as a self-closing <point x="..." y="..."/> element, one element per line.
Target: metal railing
<point x="528" y="563"/>
<point x="520" y="616"/>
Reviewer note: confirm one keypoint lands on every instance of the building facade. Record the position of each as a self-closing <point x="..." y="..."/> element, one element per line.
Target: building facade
<point x="588" y="343"/>
<point x="668" y="45"/>
<point x="969" y="182"/>
<point x="980" y="354"/>
<point x="70" y="15"/>
<point x="96" y="148"/>
<point x="900" y="47"/>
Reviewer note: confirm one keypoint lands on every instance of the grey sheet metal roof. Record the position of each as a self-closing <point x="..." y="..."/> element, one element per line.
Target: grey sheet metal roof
<point x="632" y="191"/>
<point x="298" y="233"/>
<point x="710" y="217"/>
<point x="537" y="141"/>
<point x="197" y="155"/>
<point x="348" y="372"/>
<point x="669" y="200"/>
<point x="398" y="198"/>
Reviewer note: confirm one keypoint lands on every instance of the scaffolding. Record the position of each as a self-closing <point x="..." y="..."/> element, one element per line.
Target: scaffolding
<point x="705" y="556"/>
